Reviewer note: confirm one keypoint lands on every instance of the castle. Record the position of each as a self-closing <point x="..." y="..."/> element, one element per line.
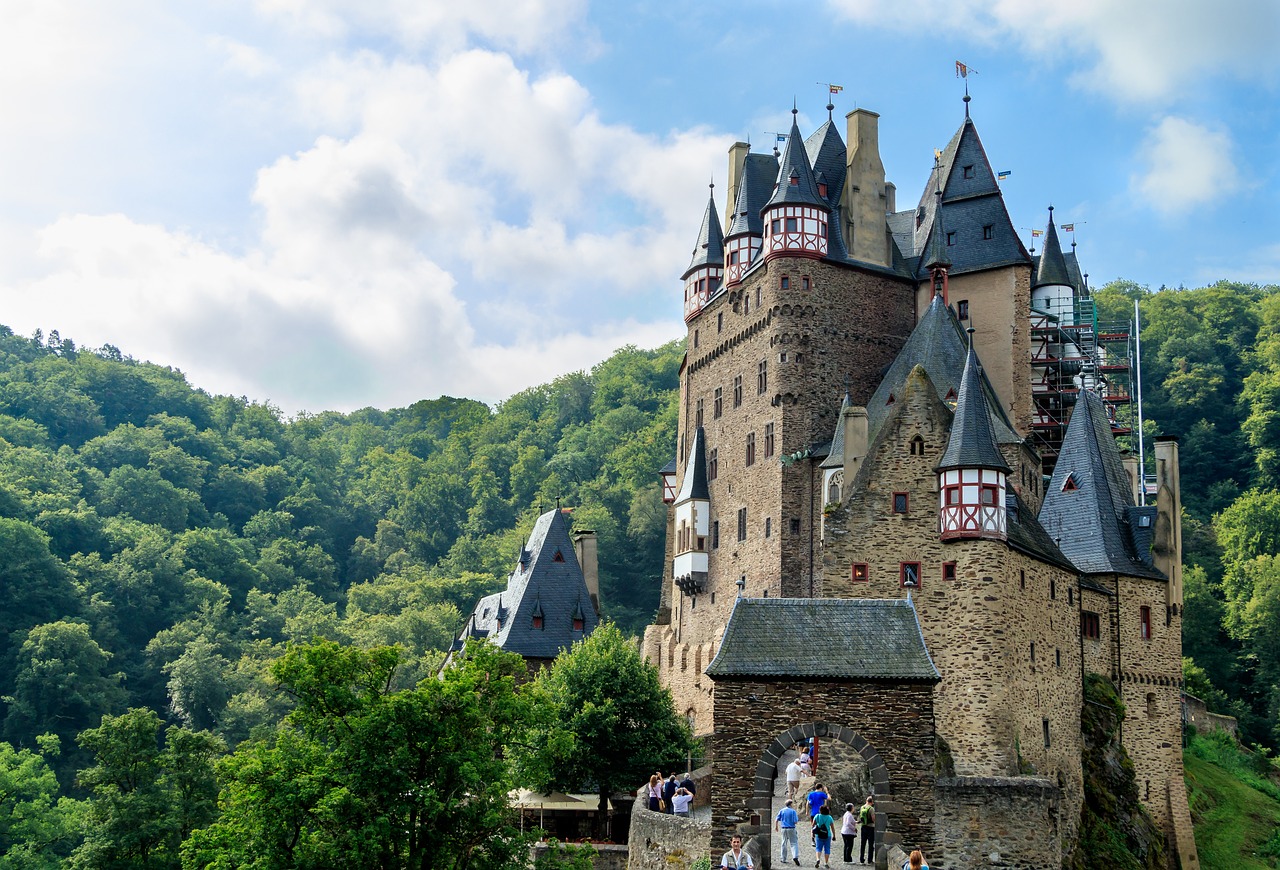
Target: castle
<point x="898" y="517"/>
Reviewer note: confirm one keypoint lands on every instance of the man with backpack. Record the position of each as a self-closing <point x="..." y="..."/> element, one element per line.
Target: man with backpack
<point x="867" y="824"/>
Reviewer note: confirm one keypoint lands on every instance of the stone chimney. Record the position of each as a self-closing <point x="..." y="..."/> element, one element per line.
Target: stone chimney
<point x="1166" y="549"/>
<point x="737" y="157"/>
<point x="1130" y="462"/>
<point x="855" y="444"/>
<point x="865" y="199"/>
<point x="586" y="548"/>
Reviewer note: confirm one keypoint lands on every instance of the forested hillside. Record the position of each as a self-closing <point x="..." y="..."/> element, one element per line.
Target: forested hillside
<point x="161" y="546"/>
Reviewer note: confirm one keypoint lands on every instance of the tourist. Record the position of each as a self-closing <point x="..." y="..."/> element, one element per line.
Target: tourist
<point x="681" y="800"/>
<point x="655" y="793"/>
<point x="735" y="858"/>
<point x="794" y="772"/>
<point x="867" y="825"/>
<point x="849" y="831"/>
<point x="785" y="824"/>
<point x="805" y="761"/>
<point x="915" y="862"/>
<point x="688" y="784"/>
<point x="823" y="826"/>
<point x="816" y="798"/>
<point x="669" y="791"/>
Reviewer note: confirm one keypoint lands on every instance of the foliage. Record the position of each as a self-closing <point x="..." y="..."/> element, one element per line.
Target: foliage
<point x="360" y="774"/>
<point x="621" y="720"/>
<point x="1235" y="824"/>
<point x="37" y="828"/>
<point x="564" y="856"/>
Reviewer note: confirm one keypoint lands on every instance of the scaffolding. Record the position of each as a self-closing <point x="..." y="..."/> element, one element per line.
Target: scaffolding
<point x="1071" y="350"/>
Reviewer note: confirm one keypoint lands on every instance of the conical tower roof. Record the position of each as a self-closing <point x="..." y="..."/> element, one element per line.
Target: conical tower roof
<point x="694" y="484"/>
<point x="759" y="171"/>
<point x="1053" y="265"/>
<point x="972" y="443"/>
<point x="709" y="251"/>
<point x="826" y="152"/>
<point x="795" y="177"/>
<point x="835" y="456"/>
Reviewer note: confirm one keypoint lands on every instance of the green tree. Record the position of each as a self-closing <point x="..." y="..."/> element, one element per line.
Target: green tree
<point x="37" y="828"/>
<point x="360" y="775"/>
<point x="622" y="721"/>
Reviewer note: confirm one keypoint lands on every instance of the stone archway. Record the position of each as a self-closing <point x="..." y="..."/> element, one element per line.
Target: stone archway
<point x="762" y="801"/>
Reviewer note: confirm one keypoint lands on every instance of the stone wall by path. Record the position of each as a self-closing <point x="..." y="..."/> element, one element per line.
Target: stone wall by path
<point x="1196" y="714"/>
<point x="607" y="857"/>
<point x="659" y="841"/>
<point x="1005" y="821"/>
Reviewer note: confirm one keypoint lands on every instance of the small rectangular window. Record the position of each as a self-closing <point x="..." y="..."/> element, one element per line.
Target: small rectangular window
<point x="951" y="238"/>
<point x="795" y="525"/>
<point x="861" y="573"/>
<point x="901" y="501"/>
<point x="715" y="534"/>
<point x="768" y="440"/>
<point x="962" y="309"/>
<point x="717" y="406"/>
<point x="737" y="391"/>
<point x="791" y="225"/>
<point x="1144" y="617"/>
<point x="804" y="282"/>
<point x="751" y="448"/>
<point x="989" y="232"/>
<point x="775" y="227"/>
<point x="733" y="258"/>
<point x="1044" y="724"/>
<point x="909" y="575"/>
<point x="762" y="377"/>
<point x="948" y="570"/>
<point x="742" y="524"/>
<point x="695" y="338"/>
<point x="719" y="321"/>
<point x="697" y="414"/>
<point x="784" y="283"/>
<point x="968" y="171"/>
<point x="713" y="463"/>
<point x="768" y="526"/>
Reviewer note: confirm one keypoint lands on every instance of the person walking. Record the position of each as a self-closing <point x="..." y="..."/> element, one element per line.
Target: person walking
<point x="785" y="825"/>
<point x="817" y="797"/>
<point x="823" y="828"/>
<point x="794" y="773"/>
<point x="867" y="826"/>
<point x="655" y="793"/>
<point x="848" y="831"/>
<point x="669" y="792"/>
<point x="736" y="858"/>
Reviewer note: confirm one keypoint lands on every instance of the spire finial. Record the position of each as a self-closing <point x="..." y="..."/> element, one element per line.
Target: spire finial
<point x="971" y="331"/>
<point x="794" y="110"/>
<point x="967" y="98"/>
<point x="831" y="107"/>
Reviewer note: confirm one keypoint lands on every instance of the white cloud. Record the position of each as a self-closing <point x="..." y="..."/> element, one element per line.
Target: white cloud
<point x="1136" y="49"/>
<point x="1186" y="166"/>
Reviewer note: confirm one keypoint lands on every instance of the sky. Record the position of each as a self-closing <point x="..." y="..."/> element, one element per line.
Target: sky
<point x="329" y="205"/>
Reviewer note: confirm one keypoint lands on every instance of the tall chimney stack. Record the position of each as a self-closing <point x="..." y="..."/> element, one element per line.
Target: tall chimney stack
<point x="585" y="546"/>
<point x="1166" y="549"/>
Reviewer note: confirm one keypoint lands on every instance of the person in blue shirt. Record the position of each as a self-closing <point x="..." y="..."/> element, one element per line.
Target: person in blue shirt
<point x="785" y="824"/>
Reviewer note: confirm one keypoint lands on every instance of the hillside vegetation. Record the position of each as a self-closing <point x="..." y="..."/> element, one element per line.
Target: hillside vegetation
<point x="1235" y="804"/>
<point x="163" y="546"/>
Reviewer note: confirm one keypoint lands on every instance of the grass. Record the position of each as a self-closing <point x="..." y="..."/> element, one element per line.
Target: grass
<point x="1237" y="825"/>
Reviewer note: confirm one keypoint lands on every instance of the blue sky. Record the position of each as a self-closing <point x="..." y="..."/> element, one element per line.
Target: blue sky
<point x="328" y="205"/>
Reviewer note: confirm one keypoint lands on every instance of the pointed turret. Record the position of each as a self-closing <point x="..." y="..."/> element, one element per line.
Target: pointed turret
<point x="937" y="261"/>
<point x="1052" y="287"/>
<point x="796" y="217"/>
<point x="972" y="474"/>
<point x="706" y="270"/>
<point x="826" y="153"/>
<point x="693" y="521"/>
<point x="743" y="241"/>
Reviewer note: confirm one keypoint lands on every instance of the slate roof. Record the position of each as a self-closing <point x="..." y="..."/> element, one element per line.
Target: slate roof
<point x="547" y="580"/>
<point x="1026" y="534"/>
<point x="709" y="251"/>
<point x="863" y="639"/>
<point x="968" y="205"/>
<point x="1052" y="266"/>
<point x="794" y="167"/>
<point x="826" y="152"/>
<point x="972" y="441"/>
<point x="938" y="344"/>
<point x="694" y="484"/>
<point x="759" y="172"/>
<point x="1092" y="521"/>
<point x="835" y="452"/>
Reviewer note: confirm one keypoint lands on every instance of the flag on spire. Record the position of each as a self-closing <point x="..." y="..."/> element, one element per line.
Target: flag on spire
<point x="835" y="89"/>
<point x="962" y="70"/>
<point x="1035" y="234"/>
<point x="1003" y="175"/>
<point x="1068" y="228"/>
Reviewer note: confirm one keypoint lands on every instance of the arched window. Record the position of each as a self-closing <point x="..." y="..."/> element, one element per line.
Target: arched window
<point x="917" y="446"/>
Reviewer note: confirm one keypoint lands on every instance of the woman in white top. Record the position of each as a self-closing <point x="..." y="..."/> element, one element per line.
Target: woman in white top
<point x="849" y="831"/>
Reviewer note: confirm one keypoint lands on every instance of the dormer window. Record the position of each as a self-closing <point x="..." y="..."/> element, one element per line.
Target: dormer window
<point x="951" y="238"/>
<point x="917" y="446"/>
<point x="794" y="179"/>
<point x="822" y="189"/>
<point x="962" y="309"/>
<point x="558" y="557"/>
<point x="891" y="399"/>
<point x="577" y="623"/>
<point x="537" y="623"/>
<point x="1144" y="522"/>
<point x="1070" y="485"/>
<point x="968" y="171"/>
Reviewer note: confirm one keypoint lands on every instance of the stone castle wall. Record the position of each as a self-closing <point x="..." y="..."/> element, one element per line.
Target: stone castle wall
<point x="660" y="841"/>
<point x="843" y="330"/>
<point x="1197" y="715"/>
<point x="1015" y="822"/>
